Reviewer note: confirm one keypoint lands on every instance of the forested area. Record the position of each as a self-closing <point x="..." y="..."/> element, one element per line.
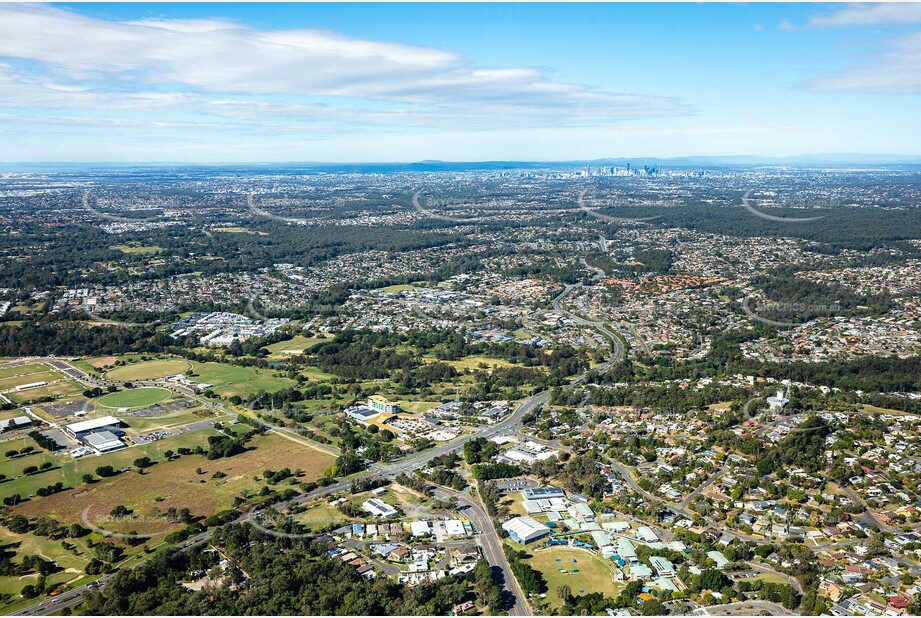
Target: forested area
<point x="282" y="577"/>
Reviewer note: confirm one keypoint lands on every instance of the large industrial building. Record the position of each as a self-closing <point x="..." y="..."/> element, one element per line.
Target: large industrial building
<point x="525" y="530"/>
<point x="15" y="423"/>
<point x="104" y="441"/>
<point x="543" y="493"/>
<point x="81" y="429"/>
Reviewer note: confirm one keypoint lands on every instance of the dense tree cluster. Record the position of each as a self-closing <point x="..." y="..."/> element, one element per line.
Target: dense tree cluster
<point x="285" y="577"/>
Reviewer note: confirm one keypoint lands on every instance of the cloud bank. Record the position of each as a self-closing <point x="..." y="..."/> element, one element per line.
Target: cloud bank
<point x="212" y="73"/>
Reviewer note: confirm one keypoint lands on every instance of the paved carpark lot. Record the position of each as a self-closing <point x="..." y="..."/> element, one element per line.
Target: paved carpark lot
<point x="152" y="436"/>
<point x="62" y="439"/>
<point x="68" y="408"/>
<point x="511" y="485"/>
<point x="161" y="409"/>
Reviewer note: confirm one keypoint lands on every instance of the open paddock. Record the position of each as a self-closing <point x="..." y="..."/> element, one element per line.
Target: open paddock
<point x="101" y="362"/>
<point x="22" y="370"/>
<point x="70" y="471"/>
<point x="61" y="389"/>
<point x="295" y="345"/>
<point x="177" y="483"/>
<point x="29" y="378"/>
<point x="149" y="370"/>
<point x="230" y="380"/>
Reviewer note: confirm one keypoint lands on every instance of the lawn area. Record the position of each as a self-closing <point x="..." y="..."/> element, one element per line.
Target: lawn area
<point x="396" y="289"/>
<point x="178" y="484"/>
<point x="149" y="370"/>
<point x="62" y="389"/>
<point x="39" y="376"/>
<point x="230" y="380"/>
<point x="8" y="372"/>
<point x="321" y="516"/>
<point x="295" y="345"/>
<point x="70" y="471"/>
<point x="135" y="398"/>
<point x="768" y="578"/>
<point x="594" y="573"/>
<point x="474" y="362"/>
<point x="418" y="407"/>
<point x="146" y="250"/>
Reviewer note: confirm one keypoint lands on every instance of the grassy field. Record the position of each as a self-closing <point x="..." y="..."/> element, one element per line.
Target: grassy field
<point x="149" y="370"/>
<point x="396" y="289"/>
<point x="29" y="378"/>
<point x="297" y="344"/>
<point x="70" y="471"/>
<point x="419" y="407"/>
<point x="134" y="398"/>
<point x="62" y="389"/>
<point x="316" y="374"/>
<point x="230" y="380"/>
<point x="8" y="372"/>
<point x="475" y="362"/>
<point x="238" y="230"/>
<point x="321" y="516"/>
<point x="148" y="250"/>
<point x="594" y="573"/>
<point x="877" y="410"/>
<point x="178" y="483"/>
<point x="28" y="544"/>
<point x="100" y="362"/>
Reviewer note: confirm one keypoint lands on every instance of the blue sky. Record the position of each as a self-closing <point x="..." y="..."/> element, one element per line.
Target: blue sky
<point x="403" y="82"/>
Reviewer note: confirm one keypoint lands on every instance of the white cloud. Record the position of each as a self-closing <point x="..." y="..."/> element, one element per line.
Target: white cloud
<point x="896" y="70"/>
<point x="871" y="14"/>
<point x="197" y="66"/>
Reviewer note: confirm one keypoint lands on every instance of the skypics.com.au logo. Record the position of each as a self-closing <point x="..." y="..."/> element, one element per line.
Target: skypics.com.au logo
<point x="786" y="314"/>
<point x="157" y="217"/>
<point x="284" y="526"/>
<point x="429" y="207"/>
<point x="122" y="523"/>
<point x="784" y="203"/>
<point x="478" y="211"/>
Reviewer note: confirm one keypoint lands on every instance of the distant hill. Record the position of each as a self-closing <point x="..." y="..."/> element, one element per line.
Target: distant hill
<point x="806" y="160"/>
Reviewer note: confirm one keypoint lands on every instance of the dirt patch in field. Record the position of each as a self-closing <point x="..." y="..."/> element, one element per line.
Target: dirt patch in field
<point x="102" y="361"/>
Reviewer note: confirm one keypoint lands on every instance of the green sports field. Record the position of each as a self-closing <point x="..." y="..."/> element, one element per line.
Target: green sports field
<point x="589" y="573"/>
<point x="149" y="370"/>
<point x="230" y="380"/>
<point x="135" y="398"/>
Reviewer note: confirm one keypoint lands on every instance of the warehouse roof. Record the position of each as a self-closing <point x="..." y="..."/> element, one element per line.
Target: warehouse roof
<point x="93" y="423"/>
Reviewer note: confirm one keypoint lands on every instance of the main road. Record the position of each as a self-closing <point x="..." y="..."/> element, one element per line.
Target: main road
<point x="617" y="345"/>
<point x="492" y="547"/>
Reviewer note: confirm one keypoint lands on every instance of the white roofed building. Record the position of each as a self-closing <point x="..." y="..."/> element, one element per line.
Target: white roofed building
<point x="78" y="430"/>
<point x="525" y="529"/>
